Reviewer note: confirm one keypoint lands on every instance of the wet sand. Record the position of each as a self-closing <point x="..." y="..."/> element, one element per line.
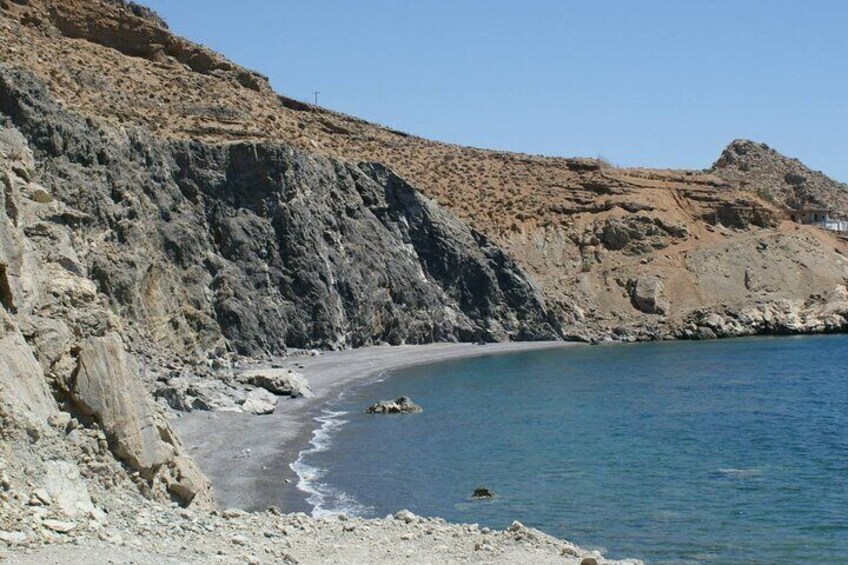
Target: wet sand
<point x="248" y="457"/>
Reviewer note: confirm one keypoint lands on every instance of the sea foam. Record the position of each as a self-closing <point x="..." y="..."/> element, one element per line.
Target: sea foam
<point x="325" y="500"/>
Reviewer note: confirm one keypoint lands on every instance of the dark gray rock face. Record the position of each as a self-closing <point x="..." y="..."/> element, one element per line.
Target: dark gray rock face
<point x="255" y="247"/>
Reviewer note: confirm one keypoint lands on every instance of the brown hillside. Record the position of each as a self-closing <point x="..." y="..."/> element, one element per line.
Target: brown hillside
<point x="617" y="252"/>
<point x="759" y="168"/>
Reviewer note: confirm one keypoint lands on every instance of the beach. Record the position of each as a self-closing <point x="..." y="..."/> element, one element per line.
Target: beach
<point x="248" y="458"/>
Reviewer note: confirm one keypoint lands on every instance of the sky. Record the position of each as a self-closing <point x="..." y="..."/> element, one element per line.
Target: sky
<point x="656" y="83"/>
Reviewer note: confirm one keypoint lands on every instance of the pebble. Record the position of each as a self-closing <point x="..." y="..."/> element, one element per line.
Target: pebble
<point x="239" y="540"/>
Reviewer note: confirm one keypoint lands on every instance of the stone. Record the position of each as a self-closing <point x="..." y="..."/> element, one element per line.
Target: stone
<point x="13" y="538"/>
<point x="106" y="387"/>
<point x="42" y="496"/>
<point x="401" y="405"/>
<point x="239" y="539"/>
<point x="58" y="526"/>
<point x="257" y="407"/>
<point x="262" y="395"/>
<point x="39" y="194"/>
<point x="406" y="516"/>
<point x="283" y="382"/>
<point x="588" y="561"/>
<point x="647" y="296"/>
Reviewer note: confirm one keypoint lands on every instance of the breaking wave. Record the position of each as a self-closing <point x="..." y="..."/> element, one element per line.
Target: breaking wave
<point x="325" y="500"/>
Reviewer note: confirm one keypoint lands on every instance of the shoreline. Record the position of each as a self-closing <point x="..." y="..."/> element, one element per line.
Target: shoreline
<point x="249" y="458"/>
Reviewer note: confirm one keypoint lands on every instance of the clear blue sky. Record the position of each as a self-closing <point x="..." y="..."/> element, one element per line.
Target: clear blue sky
<point x="665" y="83"/>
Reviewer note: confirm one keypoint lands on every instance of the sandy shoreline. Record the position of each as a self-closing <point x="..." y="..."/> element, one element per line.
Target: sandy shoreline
<point x="248" y="457"/>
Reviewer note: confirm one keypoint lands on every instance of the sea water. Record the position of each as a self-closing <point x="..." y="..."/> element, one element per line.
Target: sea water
<point x="730" y="451"/>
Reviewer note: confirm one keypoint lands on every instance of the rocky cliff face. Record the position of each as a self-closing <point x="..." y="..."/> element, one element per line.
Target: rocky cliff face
<point x="76" y="418"/>
<point x="258" y="246"/>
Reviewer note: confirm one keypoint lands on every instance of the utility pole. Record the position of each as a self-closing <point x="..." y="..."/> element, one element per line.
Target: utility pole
<point x="316" y="93"/>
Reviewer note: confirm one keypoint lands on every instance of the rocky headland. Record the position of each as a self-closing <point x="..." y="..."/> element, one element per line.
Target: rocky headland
<point x="171" y="228"/>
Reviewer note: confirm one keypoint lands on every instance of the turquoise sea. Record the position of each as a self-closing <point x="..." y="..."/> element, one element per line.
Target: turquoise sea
<point x="730" y="451"/>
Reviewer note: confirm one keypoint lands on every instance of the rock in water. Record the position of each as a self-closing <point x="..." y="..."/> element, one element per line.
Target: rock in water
<point x="402" y="405"/>
<point x="482" y="492"/>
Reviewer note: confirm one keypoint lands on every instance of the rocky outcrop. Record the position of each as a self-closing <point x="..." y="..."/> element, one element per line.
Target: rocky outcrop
<point x="823" y="314"/>
<point x="401" y="405"/>
<point x="785" y="181"/>
<point x="137" y="31"/>
<point x="635" y="235"/>
<point x="482" y="493"/>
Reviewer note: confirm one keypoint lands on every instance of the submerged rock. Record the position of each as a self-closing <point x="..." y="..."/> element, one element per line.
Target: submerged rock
<point x="402" y="405"/>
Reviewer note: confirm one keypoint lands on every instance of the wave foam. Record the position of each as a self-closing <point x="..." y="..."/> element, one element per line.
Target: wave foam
<point x="326" y="500"/>
<point x="739" y="473"/>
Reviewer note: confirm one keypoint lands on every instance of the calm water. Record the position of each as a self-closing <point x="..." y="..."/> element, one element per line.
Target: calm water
<point x="705" y="452"/>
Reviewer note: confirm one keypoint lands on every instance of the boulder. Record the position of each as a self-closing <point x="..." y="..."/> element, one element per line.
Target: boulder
<point x="402" y="405"/>
<point x="406" y="516"/>
<point x="106" y="388"/>
<point x="64" y="485"/>
<point x="282" y="382"/>
<point x="258" y="407"/>
<point x="647" y="296"/>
